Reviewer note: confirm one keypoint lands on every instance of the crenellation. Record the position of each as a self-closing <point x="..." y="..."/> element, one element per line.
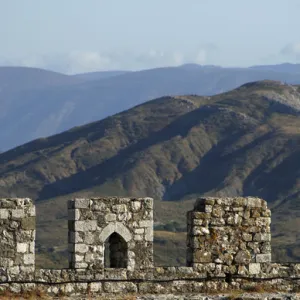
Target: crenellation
<point x="111" y="249"/>
<point x="17" y="238"/>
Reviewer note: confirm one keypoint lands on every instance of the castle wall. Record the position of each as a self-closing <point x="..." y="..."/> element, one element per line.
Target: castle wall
<point x="92" y="223"/>
<point x="228" y="249"/>
<point x="17" y="239"/>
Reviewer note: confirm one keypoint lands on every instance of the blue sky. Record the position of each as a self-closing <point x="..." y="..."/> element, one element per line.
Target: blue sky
<point x="75" y="36"/>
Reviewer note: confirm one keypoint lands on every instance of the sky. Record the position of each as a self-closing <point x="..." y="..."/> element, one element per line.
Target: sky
<point x="75" y="36"/>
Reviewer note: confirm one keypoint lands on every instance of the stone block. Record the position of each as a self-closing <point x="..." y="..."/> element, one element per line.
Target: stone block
<point x="80" y="265"/>
<point x="22" y="247"/>
<point x="119" y="208"/>
<point x="110" y="217"/>
<point x="198" y="230"/>
<point x="89" y="238"/>
<point x="29" y="259"/>
<point x="149" y="234"/>
<point x="83" y="226"/>
<point x="32" y="211"/>
<point x="254" y="202"/>
<point x="4" y="214"/>
<point x="263" y="258"/>
<point x="254" y="268"/>
<point x="80" y="248"/>
<point x="81" y="203"/>
<point x="146" y="223"/>
<point x="136" y="205"/>
<point x="247" y="237"/>
<point x="138" y="237"/>
<point x="148" y="202"/>
<point x="139" y="230"/>
<point x="17" y="213"/>
<point x="202" y="256"/>
<point x="120" y="287"/>
<point x="95" y="287"/>
<point x="243" y="257"/>
<point x="78" y="258"/>
<point x="32" y="247"/>
<point x="262" y="237"/>
<point x="208" y="208"/>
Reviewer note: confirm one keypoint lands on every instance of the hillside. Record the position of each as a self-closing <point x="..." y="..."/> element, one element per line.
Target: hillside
<point x="243" y="142"/>
<point x="37" y="103"/>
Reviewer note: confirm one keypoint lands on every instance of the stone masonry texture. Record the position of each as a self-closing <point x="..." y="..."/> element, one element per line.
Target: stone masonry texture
<point x="127" y="223"/>
<point x="17" y="238"/>
<point x="229" y="231"/>
<point x="228" y="249"/>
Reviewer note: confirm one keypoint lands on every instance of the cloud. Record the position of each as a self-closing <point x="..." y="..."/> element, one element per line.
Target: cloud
<point x="292" y="50"/>
<point x="90" y="61"/>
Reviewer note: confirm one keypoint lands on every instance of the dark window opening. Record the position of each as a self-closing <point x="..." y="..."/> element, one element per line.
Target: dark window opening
<point x="115" y="253"/>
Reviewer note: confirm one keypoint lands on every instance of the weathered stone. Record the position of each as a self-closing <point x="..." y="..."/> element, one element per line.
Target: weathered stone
<point x="81" y="248"/>
<point x="149" y="234"/>
<point x="3" y="214"/>
<point x="81" y="203"/>
<point x="88" y="225"/>
<point x="247" y="237"/>
<point x="136" y="205"/>
<point x="262" y="237"/>
<point x="29" y="259"/>
<point x="22" y="247"/>
<point x="242" y="257"/>
<point x="133" y="232"/>
<point x="17" y="214"/>
<point x="263" y="258"/>
<point x="201" y="256"/>
<point x="95" y="287"/>
<point x="146" y="223"/>
<point x="110" y="217"/>
<point x="119" y="208"/>
<point x="197" y="230"/>
<point x="254" y="268"/>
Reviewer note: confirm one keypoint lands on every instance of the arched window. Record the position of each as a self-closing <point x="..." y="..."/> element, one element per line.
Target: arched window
<point x="115" y="252"/>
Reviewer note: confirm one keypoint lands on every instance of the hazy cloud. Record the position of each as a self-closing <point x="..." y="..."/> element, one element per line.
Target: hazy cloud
<point x="292" y="50"/>
<point x="89" y="61"/>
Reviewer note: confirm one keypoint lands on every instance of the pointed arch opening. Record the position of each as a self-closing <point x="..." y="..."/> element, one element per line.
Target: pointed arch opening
<point x="115" y="252"/>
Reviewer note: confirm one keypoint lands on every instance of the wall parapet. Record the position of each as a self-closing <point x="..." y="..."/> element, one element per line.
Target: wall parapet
<point x="228" y="247"/>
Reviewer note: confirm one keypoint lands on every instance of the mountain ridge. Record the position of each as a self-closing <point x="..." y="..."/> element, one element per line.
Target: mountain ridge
<point x="44" y="107"/>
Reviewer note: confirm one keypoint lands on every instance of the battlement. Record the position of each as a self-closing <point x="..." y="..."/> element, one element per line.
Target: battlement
<point x="17" y="238"/>
<point x="111" y="248"/>
<point x="121" y="226"/>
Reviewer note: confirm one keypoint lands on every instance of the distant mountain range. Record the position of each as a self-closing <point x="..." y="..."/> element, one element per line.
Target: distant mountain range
<point x="239" y="143"/>
<point x="37" y="103"/>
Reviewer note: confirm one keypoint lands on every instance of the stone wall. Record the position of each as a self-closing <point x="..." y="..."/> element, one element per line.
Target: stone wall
<point x="228" y="248"/>
<point x="126" y="224"/>
<point x="17" y="239"/>
<point x="228" y="232"/>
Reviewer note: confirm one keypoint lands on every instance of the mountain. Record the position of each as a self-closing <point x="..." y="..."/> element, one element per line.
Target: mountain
<point x="239" y="143"/>
<point x="20" y="78"/>
<point x="99" y="75"/>
<point x="37" y="103"/>
<point x="284" y="68"/>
